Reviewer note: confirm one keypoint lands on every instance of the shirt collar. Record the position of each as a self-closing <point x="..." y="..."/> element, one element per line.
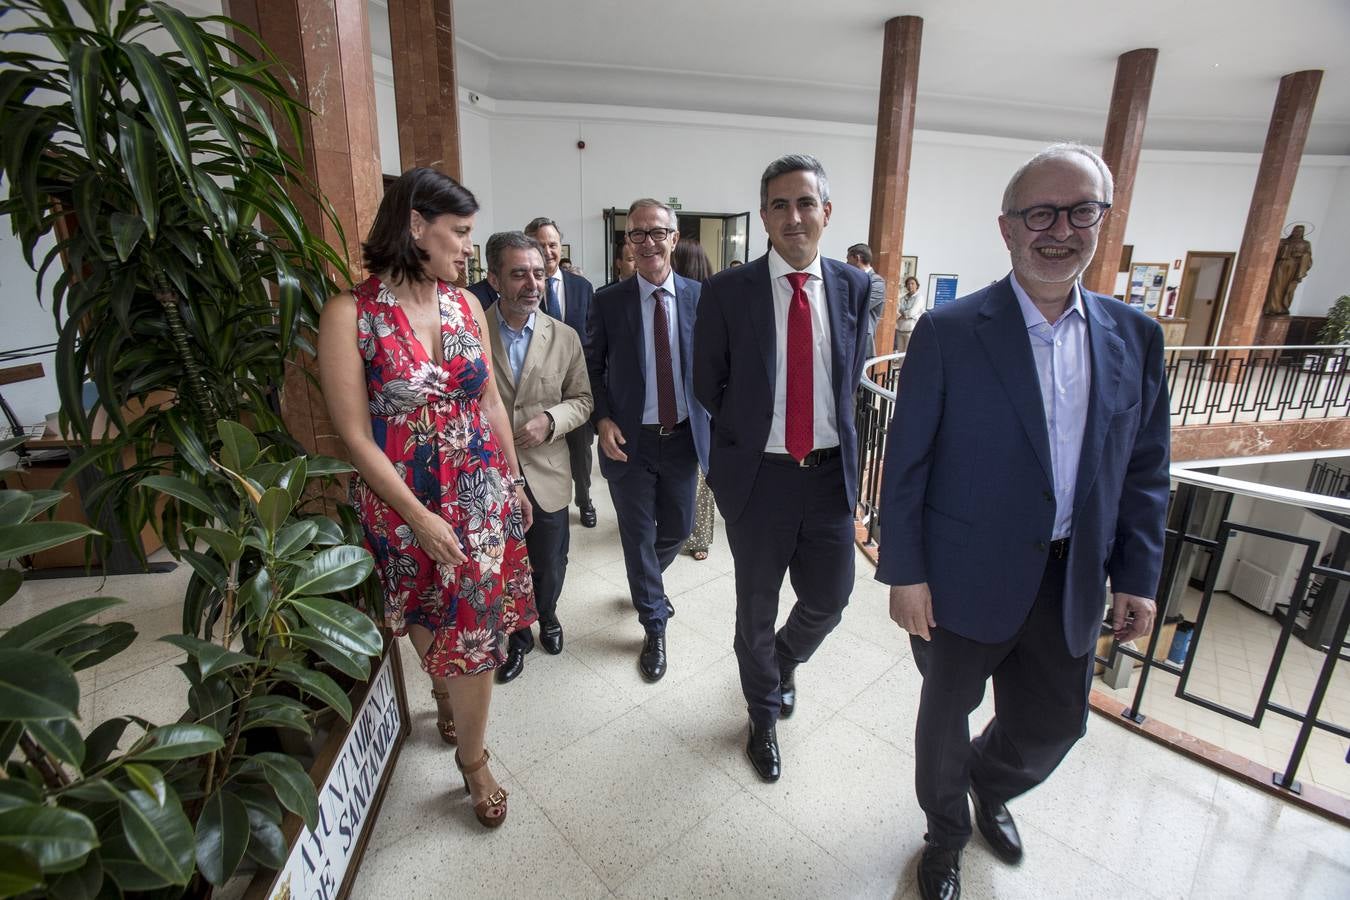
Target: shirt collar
<point x="1033" y="316"/>
<point x="646" y="288"/>
<point x="778" y="267"/>
<point x="528" y="327"/>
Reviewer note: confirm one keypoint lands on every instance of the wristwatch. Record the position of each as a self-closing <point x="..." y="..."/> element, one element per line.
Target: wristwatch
<point x="552" y="425"/>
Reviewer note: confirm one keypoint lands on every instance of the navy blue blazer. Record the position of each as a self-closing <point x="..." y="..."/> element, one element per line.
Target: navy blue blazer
<point x="578" y="294"/>
<point x="616" y="360"/>
<point x="968" y="501"/>
<point x="735" y="355"/>
<point x="484" y="292"/>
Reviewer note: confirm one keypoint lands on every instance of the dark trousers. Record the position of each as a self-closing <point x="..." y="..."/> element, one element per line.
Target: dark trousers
<point x="796" y="522"/>
<point x="547" y="543"/>
<point x="579" y="442"/>
<point x="1040" y="710"/>
<point x="654" y="503"/>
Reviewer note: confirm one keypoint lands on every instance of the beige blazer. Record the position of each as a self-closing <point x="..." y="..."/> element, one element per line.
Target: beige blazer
<point x="553" y="379"/>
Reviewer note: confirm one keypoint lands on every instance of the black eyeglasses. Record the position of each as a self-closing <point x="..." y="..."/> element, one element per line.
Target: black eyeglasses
<point x="1043" y="218"/>
<point x="640" y="235"/>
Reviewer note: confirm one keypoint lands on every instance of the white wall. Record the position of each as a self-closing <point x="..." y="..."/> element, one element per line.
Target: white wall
<point x="712" y="162"/>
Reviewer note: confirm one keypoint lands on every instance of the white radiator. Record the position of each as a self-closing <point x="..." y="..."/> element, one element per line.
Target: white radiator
<point x="1254" y="585"/>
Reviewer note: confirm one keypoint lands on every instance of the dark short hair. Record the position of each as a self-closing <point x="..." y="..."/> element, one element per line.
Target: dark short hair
<point x="502" y="241"/>
<point x="689" y="260"/>
<point x="909" y="278"/>
<point x="389" y="248"/>
<point x="863" y="252"/>
<point x="794" y="162"/>
<point x="535" y="224"/>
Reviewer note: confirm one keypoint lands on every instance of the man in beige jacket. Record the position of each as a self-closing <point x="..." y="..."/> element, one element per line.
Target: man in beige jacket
<point x="541" y="374"/>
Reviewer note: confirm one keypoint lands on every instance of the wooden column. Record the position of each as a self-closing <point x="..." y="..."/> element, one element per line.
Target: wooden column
<point x="325" y="46"/>
<point x="426" y="94"/>
<point x="890" y="172"/>
<point x="1270" y="203"/>
<point x="1120" y="149"/>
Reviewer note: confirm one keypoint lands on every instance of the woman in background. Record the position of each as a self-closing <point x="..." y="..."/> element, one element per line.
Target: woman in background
<point x="689" y="260"/>
<point x="406" y="380"/>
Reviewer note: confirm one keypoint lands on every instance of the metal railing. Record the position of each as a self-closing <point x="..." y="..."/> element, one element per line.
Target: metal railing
<point x="1228" y="385"/>
<point x="1330" y="584"/>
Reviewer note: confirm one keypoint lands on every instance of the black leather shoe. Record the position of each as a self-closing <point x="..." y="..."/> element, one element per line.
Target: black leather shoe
<point x="515" y="664"/>
<point x="939" y="873"/>
<point x="551" y="637"/>
<point x="998" y="828"/>
<point x="652" y="659"/>
<point x="762" y="748"/>
<point x="787" y="687"/>
<point x="670" y="609"/>
<point x="588" y="515"/>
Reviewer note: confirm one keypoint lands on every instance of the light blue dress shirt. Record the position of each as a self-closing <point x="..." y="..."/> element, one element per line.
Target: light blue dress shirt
<point x="646" y="290"/>
<point x="517" y="343"/>
<point x="1064" y="370"/>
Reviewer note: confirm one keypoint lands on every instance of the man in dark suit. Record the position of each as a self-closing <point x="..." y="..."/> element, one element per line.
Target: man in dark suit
<point x="779" y="349"/>
<point x="1027" y="463"/>
<point x="651" y="431"/>
<point x="860" y="257"/>
<point x="485" y="292"/>
<point x="568" y="297"/>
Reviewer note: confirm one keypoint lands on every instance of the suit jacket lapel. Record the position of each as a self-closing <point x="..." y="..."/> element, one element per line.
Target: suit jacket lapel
<point x="499" y="361"/>
<point x="632" y="312"/>
<point x="760" y="296"/>
<point x="1004" y="335"/>
<point x="535" y="353"/>
<point x="1108" y="356"/>
<point x="841" y="341"/>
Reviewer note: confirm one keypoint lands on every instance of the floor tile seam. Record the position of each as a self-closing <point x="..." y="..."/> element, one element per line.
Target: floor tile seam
<point x="909" y="754"/>
<point x="1125" y="872"/>
<point x="562" y="833"/>
<point x="172" y="656"/>
<point x="740" y="789"/>
<point x="530" y="765"/>
<point x="843" y="706"/>
<point x="862" y="877"/>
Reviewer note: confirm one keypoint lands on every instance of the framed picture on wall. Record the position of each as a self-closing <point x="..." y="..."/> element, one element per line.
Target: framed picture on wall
<point x="565" y="251"/>
<point x="1147" y="283"/>
<point x="909" y="268"/>
<point x="476" y="265"/>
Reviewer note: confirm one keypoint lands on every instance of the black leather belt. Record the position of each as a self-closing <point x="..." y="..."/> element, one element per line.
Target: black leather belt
<point x="810" y="461"/>
<point x="663" y="431"/>
<point x="1059" y="549"/>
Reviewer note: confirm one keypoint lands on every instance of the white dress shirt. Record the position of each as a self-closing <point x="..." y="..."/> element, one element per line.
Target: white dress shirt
<point x="822" y="381"/>
<point x="1064" y="370"/>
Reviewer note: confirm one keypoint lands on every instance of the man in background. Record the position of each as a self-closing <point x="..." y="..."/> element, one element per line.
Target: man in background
<point x="567" y="297"/>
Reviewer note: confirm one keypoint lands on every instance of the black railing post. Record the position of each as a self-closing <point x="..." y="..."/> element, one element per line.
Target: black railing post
<point x="1287" y="778"/>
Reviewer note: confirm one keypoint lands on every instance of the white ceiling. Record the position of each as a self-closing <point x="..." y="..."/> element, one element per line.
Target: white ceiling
<point x="1038" y="69"/>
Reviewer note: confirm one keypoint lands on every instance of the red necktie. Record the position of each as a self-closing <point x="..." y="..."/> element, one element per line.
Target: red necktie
<point x="798" y="410"/>
<point x="665" y="372"/>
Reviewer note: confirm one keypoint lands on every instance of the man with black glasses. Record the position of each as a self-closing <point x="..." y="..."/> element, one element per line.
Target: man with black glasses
<point x="1027" y="463"/>
<point x="651" y="430"/>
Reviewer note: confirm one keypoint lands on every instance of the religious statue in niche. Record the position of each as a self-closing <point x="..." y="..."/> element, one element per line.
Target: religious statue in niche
<point x="1292" y="262"/>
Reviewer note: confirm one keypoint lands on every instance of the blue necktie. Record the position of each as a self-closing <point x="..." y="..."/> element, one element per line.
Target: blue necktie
<point x="551" y="304"/>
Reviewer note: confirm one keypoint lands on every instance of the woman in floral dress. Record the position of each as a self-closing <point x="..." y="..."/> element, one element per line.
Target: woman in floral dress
<point x="406" y="379"/>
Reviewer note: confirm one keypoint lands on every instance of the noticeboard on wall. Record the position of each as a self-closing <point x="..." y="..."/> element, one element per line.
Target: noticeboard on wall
<point x="941" y="289"/>
<point x="1148" y="282"/>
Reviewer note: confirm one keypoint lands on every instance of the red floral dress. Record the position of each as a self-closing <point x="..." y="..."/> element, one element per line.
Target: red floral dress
<point x="428" y="419"/>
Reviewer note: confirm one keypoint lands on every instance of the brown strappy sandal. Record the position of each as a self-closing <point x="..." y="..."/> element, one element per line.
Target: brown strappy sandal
<point x="491" y="812"/>
<point x="445" y="726"/>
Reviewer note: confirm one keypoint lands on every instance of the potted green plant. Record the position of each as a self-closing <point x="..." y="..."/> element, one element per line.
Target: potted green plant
<point x="182" y="807"/>
<point x="190" y="277"/>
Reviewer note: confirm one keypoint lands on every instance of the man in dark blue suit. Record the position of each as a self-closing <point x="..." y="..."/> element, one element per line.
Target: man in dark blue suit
<point x="568" y="297"/>
<point x="778" y="353"/>
<point x="651" y="430"/>
<point x="485" y="292"/>
<point x="1027" y="463"/>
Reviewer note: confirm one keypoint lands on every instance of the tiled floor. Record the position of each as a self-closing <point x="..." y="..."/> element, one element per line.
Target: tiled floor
<point x="620" y="788"/>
